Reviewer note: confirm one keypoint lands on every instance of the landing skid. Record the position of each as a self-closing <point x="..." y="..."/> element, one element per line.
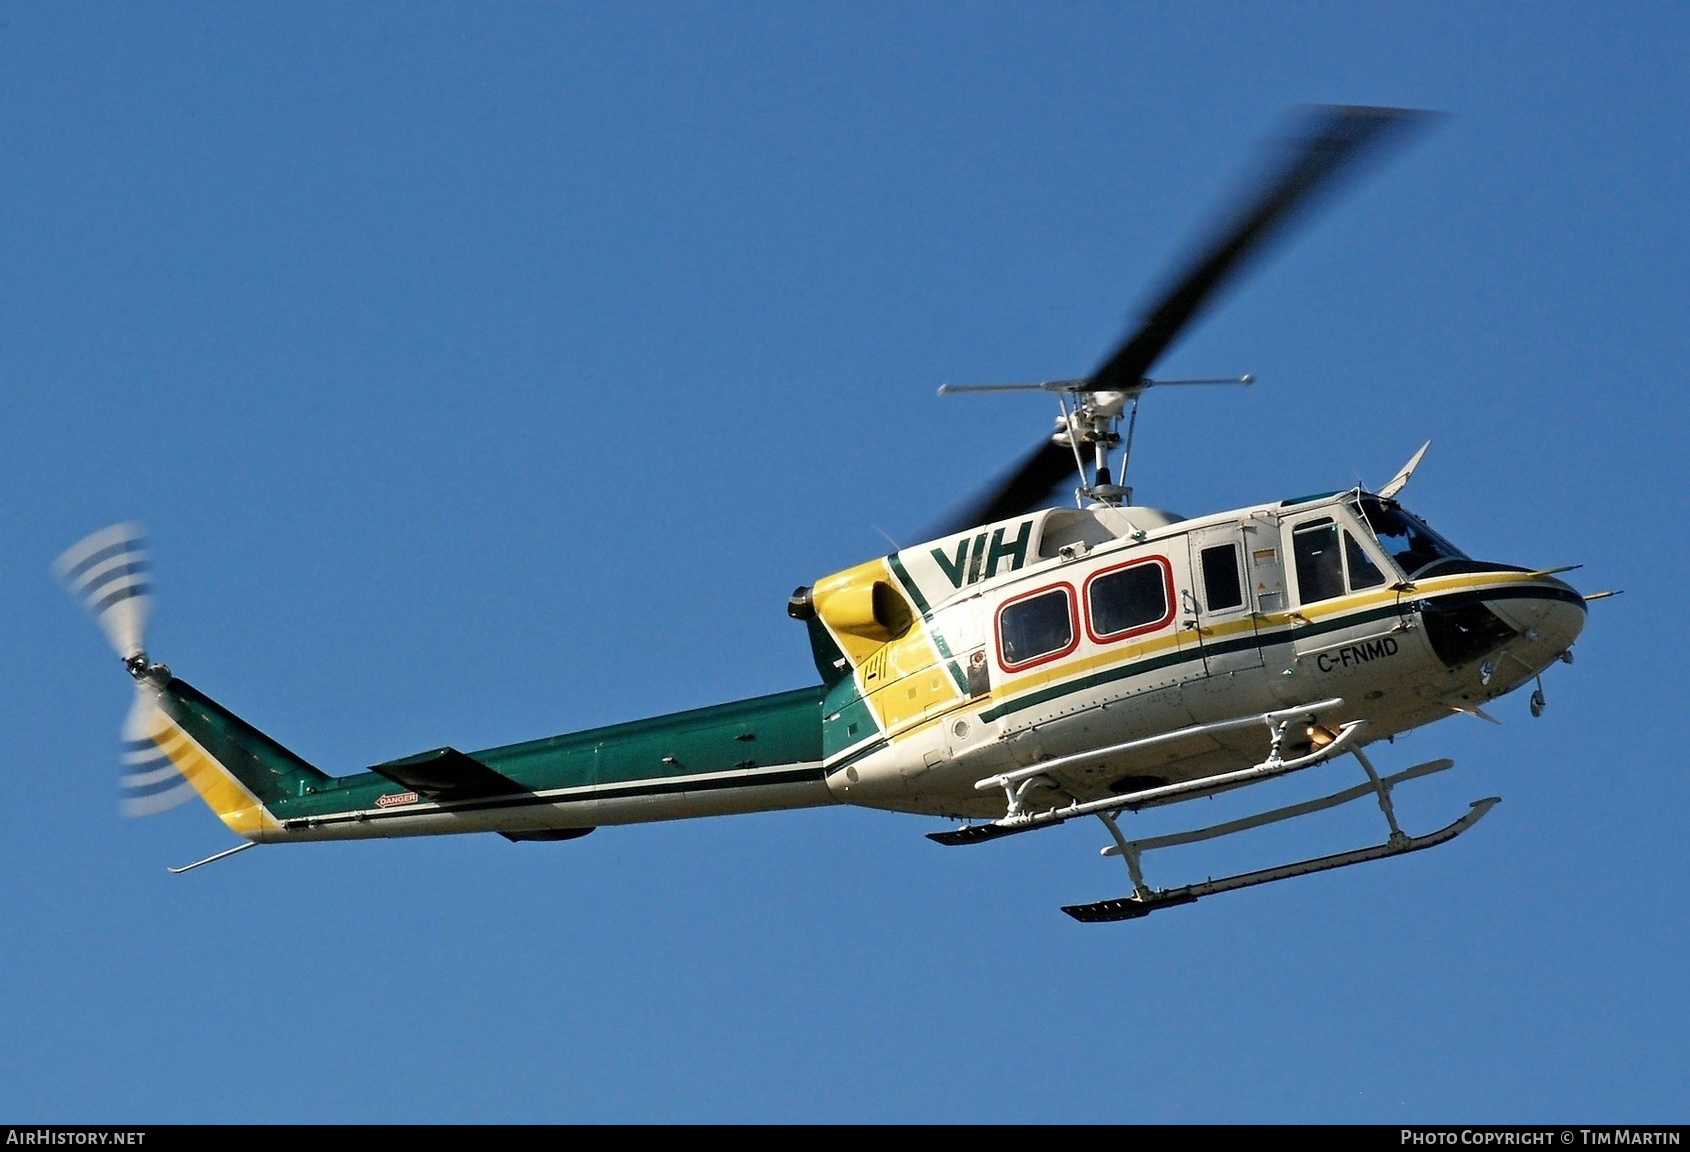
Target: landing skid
<point x="1144" y="903"/>
<point x="1145" y="899"/>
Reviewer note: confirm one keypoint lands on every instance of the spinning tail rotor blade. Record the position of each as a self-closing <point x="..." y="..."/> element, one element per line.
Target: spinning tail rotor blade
<point x="108" y="574"/>
<point x="1330" y="146"/>
<point x="151" y="781"/>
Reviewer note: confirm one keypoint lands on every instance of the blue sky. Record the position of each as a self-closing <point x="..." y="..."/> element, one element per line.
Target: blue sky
<point x="489" y="371"/>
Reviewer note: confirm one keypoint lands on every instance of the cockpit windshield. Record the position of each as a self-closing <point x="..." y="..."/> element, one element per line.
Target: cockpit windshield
<point x="1414" y="547"/>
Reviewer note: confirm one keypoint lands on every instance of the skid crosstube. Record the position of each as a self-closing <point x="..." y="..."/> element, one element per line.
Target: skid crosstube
<point x="1015" y="782"/>
<point x="1134" y="907"/>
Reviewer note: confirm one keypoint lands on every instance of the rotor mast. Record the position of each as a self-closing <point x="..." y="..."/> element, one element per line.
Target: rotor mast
<point x="1090" y="427"/>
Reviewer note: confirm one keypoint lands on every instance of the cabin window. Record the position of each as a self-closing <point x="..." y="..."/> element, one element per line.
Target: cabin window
<point x="1130" y="599"/>
<point x="1364" y="573"/>
<point x="1037" y="627"/>
<point x="1222" y="588"/>
<point x="1320" y="567"/>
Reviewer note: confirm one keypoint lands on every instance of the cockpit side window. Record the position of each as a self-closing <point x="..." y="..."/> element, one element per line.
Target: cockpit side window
<point x="1364" y="573"/>
<point x="1410" y="544"/>
<point x="1320" y="566"/>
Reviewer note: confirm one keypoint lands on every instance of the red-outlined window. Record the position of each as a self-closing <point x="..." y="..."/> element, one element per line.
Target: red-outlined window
<point x="1136" y="629"/>
<point x="1033" y="630"/>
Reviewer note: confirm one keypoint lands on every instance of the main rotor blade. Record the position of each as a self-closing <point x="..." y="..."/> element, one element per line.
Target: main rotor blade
<point x="1332" y="143"/>
<point x="1028" y="485"/>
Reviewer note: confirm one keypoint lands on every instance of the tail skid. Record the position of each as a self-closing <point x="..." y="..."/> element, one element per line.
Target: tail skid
<point x="214" y="857"/>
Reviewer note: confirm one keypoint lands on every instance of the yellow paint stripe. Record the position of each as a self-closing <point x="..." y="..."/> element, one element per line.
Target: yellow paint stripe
<point x="1107" y="658"/>
<point x="222" y="793"/>
<point x="1438" y="585"/>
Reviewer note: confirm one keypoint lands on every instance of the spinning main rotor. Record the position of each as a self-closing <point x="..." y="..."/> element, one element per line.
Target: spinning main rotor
<point x="1327" y="146"/>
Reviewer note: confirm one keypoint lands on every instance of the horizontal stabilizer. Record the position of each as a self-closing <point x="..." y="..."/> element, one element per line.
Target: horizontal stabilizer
<point x="447" y="774"/>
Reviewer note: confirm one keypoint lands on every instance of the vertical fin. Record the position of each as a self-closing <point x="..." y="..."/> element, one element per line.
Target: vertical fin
<point x="237" y="770"/>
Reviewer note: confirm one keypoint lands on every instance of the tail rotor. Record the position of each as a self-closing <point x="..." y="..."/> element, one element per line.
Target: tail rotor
<point x="110" y="575"/>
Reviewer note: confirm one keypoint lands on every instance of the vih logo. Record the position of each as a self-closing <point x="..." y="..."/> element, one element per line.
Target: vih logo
<point x="975" y="559"/>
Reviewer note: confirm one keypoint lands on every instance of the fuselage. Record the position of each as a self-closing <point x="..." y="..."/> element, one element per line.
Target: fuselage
<point x="1109" y="625"/>
<point x="1040" y="638"/>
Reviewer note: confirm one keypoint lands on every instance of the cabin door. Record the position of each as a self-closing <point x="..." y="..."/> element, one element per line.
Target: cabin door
<point x="1218" y="604"/>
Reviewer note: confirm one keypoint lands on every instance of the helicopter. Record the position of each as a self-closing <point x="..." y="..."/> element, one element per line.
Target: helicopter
<point x="1024" y="666"/>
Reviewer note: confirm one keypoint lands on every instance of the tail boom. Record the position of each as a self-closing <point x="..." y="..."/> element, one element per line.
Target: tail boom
<point x="753" y="755"/>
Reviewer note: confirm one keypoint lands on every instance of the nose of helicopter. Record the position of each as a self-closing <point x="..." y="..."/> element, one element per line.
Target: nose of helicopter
<point x="1548" y="616"/>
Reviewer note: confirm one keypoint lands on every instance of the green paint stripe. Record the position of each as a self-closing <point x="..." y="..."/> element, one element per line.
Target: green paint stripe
<point x="938" y="638"/>
<point x="1196" y="654"/>
<point x="1108" y="675"/>
<point x="870" y="750"/>
<point x="1476" y="596"/>
<point x="949" y="658"/>
<point x="910" y="588"/>
<point x="613" y="792"/>
<point x="958" y="675"/>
